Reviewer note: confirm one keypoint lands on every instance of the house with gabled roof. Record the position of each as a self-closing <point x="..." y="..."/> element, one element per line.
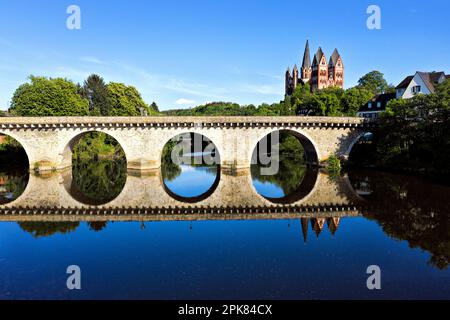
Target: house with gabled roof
<point x="419" y="83"/>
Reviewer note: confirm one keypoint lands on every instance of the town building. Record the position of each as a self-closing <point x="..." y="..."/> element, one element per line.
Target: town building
<point x="375" y="106"/>
<point x="419" y="83"/>
<point x="319" y="74"/>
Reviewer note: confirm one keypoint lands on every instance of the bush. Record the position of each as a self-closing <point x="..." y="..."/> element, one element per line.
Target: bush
<point x="334" y="165"/>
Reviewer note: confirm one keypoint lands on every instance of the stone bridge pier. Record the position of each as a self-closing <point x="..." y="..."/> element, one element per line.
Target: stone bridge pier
<point x="49" y="141"/>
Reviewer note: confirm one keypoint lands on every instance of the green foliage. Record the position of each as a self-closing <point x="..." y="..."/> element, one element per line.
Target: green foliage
<point x="48" y="97"/>
<point x="97" y="145"/>
<point x="292" y="168"/>
<point x="13" y="181"/>
<point x="325" y="104"/>
<point x="99" y="181"/>
<point x="95" y="91"/>
<point x="414" y="135"/>
<point x="169" y="170"/>
<point x="154" y="107"/>
<point x="126" y="101"/>
<point x="228" y="109"/>
<point x="353" y="99"/>
<point x="334" y="166"/>
<point x="374" y="82"/>
<point x="98" y="167"/>
<point x="268" y="110"/>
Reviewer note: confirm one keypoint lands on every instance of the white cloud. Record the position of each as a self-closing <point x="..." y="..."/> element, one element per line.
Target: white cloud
<point x="183" y="101"/>
<point x="93" y="60"/>
<point x="264" y="89"/>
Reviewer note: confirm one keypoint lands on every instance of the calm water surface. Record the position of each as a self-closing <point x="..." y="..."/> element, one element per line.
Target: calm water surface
<point x="404" y="228"/>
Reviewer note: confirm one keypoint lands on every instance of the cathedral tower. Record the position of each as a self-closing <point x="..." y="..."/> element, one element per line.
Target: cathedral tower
<point x="319" y="74"/>
<point x="336" y="70"/>
<point x="319" y="79"/>
<point x="306" y="65"/>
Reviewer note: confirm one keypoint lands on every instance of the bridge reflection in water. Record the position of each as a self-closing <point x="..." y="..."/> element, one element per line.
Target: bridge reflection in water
<point x="146" y="198"/>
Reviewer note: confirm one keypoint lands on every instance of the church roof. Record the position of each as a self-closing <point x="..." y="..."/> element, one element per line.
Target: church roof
<point x="334" y="58"/>
<point x="306" y="57"/>
<point x="318" y="56"/>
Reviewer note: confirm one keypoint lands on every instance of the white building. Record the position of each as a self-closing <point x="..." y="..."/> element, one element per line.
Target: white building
<point x="420" y="83"/>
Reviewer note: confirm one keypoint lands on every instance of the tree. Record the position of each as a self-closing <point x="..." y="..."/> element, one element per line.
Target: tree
<point x="154" y="107"/>
<point x="126" y="101"/>
<point x="267" y="110"/>
<point x="48" y="97"/>
<point x="353" y="99"/>
<point x="413" y="133"/>
<point x="95" y="90"/>
<point x="323" y="103"/>
<point x="374" y="82"/>
<point x="286" y="108"/>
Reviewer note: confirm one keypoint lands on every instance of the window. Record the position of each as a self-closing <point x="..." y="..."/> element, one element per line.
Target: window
<point x="378" y="104"/>
<point x="370" y="105"/>
<point x="415" y="89"/>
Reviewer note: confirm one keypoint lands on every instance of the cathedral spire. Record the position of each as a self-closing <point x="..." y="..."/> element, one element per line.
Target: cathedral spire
<point x="334" y="58"/>
<point x="304" y="222"/>
<point x="306" y="57"/>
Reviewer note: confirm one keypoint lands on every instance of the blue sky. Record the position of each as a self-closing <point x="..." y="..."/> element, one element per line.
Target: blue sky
<point x="184" y="53"/>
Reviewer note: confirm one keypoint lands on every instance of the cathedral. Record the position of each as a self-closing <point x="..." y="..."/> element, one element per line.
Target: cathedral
<point x="319" y="74"/>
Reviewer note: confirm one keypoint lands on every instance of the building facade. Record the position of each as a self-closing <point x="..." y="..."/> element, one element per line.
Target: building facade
<point x="419" y="83"/>
<point x="375" y="106"/>
<point x="319" y="74"/>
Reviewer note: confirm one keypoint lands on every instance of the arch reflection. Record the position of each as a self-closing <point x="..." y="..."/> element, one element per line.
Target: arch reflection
<point x="190" y="167"/>
<point x="280" y="167"/>
<point x="14" y="172"/>
<point x="99" y="168"/>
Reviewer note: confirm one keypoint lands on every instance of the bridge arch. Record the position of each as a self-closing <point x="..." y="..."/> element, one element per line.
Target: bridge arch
<point x="309" y="146"/>
<point x="71" y="141"/>
<point x="19" y="140"/>
<point x="354" y="141"/>
<point x="196" y="137"/>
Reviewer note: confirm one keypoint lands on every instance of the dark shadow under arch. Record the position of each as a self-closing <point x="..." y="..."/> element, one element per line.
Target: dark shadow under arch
<point x="14" y="169"/>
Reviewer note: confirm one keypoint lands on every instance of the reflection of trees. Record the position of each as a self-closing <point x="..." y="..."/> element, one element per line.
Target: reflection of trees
<point x="410" y="209"/>
<point x="101" y="180"/>
<point x="14" y="185"/>
<point x="292" y="167"/>
<point x="289" y="177"/>
<point x="13" y="169"/>
<point x="97" y="225"/>
<point x="45" y="229"/>
<point x="170" y="170"/>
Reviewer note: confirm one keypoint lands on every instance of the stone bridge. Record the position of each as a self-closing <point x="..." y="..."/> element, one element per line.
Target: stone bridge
<point x="48" y="141"/>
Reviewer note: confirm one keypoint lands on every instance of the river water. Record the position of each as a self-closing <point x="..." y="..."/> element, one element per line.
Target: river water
<point x="319" y="243"/>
